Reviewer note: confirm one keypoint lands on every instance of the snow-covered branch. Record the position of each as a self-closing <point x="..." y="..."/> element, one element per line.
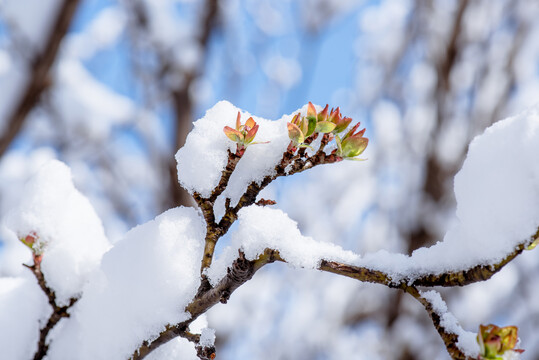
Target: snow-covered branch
<point x="447" y="279"/>
<point x="241" y="271"/>
<point x="446" y="324"/>
<point x="58" y="312"/>
<point x="179" y="276"/>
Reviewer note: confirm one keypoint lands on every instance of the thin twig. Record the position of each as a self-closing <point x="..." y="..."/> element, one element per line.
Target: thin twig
<point x="58" y="312"/>
<point x="450" y="339"/>
<point x="213" y="230"/>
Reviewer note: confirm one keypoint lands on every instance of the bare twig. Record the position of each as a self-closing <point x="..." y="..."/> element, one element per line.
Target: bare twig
<point x="213" y="230"/>
<point x="58" y="312"/>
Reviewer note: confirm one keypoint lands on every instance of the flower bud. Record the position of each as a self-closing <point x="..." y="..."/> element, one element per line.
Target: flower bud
<point x="495" y="341"/>
<point x="243" y="135"/>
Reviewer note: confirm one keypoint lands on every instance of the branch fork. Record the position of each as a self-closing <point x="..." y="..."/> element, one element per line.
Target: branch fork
<point x="58" y="312"/>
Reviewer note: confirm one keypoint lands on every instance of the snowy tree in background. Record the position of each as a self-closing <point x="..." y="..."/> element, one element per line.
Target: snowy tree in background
<point x="111" y="87"/>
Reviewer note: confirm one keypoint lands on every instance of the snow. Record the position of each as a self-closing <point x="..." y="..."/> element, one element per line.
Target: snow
<point x="66" y="224"/>
<point x="16" y="168"/>
<point x="207" y="337"/>
<point x="500" y="173"/>
<point x="32" y="25"/>
<point x="102" y="32"/>
<point x="23" y="309"/>
<point x="204" y="155"/>
<point x="144" y="283"/>
<point x="146" y="280"/>
<point x="80" y="97"/>
<point x="178" y="348"/>
<point x="497" y="192"/>
<point x="467" y="340"/>
<point x="263" y="228"/>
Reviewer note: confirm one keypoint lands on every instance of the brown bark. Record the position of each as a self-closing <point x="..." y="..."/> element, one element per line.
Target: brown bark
<point x="448" y="279"/>
<point x="241" y="271"/>
<point x="450" y="339"/>
<point x="58" y="312"/>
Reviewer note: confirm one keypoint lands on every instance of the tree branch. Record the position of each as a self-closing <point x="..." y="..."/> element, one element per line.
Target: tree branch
<point x="291" y="163"/>
<point x="450" y="339"/>
<point x="449" y="279"/>
<point x="241" y="271"/>
<point x="58" y="312"/>
<point x="213" y="231"/>
<point x="39" y="77"/>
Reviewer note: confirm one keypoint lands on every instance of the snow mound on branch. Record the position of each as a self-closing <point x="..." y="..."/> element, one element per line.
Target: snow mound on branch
<point x="23" y="309"/>
<point x="178" y="348"/>
<point x="497" y="193"/>
<point x="262" y="228"/>
<point x="466" y="340"/>
<point x="144" y="283"/>
<point x="66" y="223"/>
<point x="204" y="155"/>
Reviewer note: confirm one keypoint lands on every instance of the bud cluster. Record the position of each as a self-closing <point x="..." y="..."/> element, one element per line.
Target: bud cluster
<point x="242" y="135"/>
<point x="35" y="244"/>
<point x="495" y="341"/>
<point x="303" y="128"/>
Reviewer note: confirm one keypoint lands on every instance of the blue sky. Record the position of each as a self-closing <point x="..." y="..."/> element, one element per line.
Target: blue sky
<point x="327" y="60"/>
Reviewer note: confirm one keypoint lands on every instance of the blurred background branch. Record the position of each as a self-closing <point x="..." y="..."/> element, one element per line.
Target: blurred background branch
<point x="38" y="68"/>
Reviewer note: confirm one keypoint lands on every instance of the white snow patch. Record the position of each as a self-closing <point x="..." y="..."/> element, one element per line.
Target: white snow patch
<point x="23" y="309"/>
<point x="497" y="193"/>
<point x="81" y="97"/>
<point x="262" y="228"/>
<point x="144" y="283"/>
<point x="467" y="340"/>
<point x="207" y="337"/>
<point x="66" y="223"/>
<point x="204" y="155"/>
<point x="178" y="348"/>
